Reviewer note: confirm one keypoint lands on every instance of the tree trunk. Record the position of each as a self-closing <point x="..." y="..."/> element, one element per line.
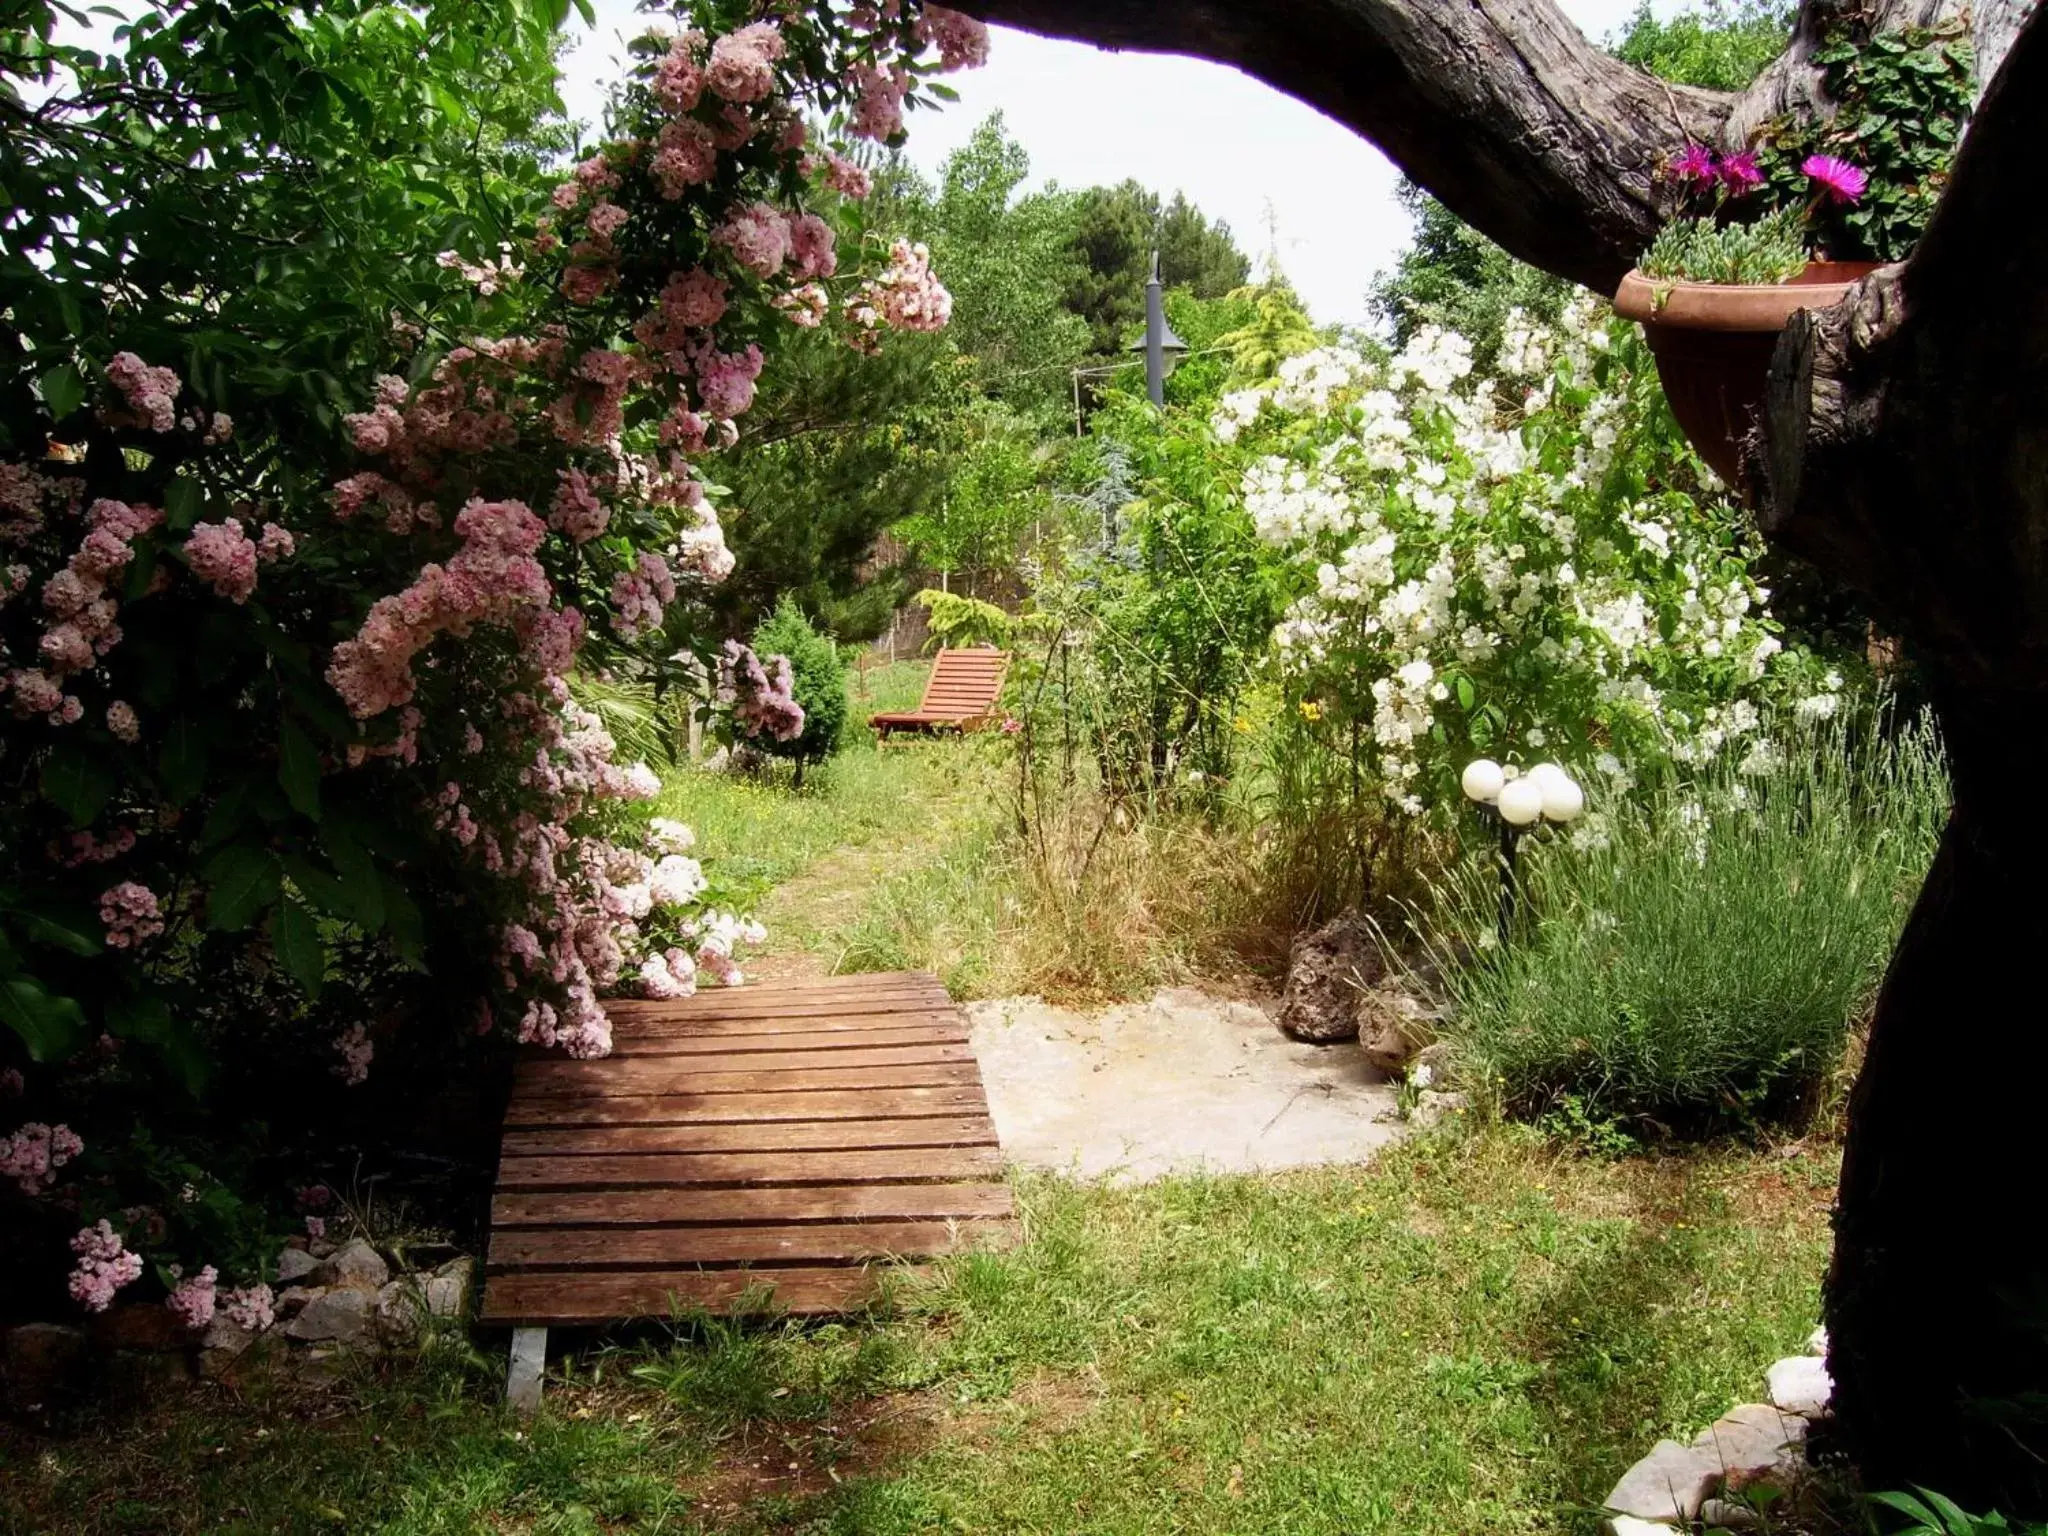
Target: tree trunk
<point x="1906" y="454"/>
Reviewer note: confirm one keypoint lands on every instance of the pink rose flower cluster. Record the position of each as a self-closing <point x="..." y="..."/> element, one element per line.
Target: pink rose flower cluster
<point x="639" y="594"/>
<point x="81" y="608"/>
<point x="148" y="391"/>
<point x="906" y="296"/>
<point x="223" y="557"/>
<point x="493" y="578"/>
<point x="760" y="696"/>
<point x="251" y="1308"/>
<point x="356" y="1051"/>
<point x="104" y="1266"/>
<point x="193" y="1299"/>
<point x="33" y="1154"/>
<point x="131" y="914"/>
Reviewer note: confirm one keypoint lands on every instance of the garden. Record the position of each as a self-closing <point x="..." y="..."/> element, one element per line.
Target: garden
<point x="454" y="559"/>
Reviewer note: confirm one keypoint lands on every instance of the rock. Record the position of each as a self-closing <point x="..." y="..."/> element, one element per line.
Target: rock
<point x="1433" y="1108"/>
<point x="291" y="1303"/>
<point x="1669" y="1484"/>
<point x="1438" y="1057"/>
<point x="401" y="1309"/>
<point x="447" y="1289"/>
<point x="1817" y="1342"/>
<point x="1720" y="1515"/>
<point x="222" y="1346"/>
<point x="1629" y="1525"/>
<point x="1754" y="1443"/>
<point x="1390" y="1023"/>
<point x="41" y="1363"/>
<point x="1325" y="971"/>
<point x="148" y="1326"/>
<point x="345" y="1315"/>
<point x="1800" y="1384"/>
<point x="355" y="1264"/>
<point x="294" y="1265"/>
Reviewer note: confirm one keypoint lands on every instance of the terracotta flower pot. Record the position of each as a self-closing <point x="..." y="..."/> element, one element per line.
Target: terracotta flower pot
<point x="1713" y="345"/>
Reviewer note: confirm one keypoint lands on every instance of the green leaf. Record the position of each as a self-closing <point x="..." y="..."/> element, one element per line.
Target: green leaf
<point x="63" y="391"/>
<point x="319" y="886"/>
<point x="183" y="502"/>
<point x="148" y="1021"/>
<point x="298" y="769"/>
<point x="1466" y="697"/>
<point x="295" y="936"/>
<point x="182" y="764"/>
<point x="241" y="880"/>
<point x="67" y="934"/>
<point x="403" y="922"/>
<point x="77" y="780"/>
<point x="358" y="877"/>
<point x="50" y="1027"/>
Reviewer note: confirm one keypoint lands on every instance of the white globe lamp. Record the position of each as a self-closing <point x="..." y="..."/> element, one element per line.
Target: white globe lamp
<point x="1563" y="800"/>
<point x="1482" y="781"/>
<point x="1521" y="802"/>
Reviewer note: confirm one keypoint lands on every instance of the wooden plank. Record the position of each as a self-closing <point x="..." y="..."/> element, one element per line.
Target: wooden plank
<point x="854" y="980"/>
<point x="695" y="1108"/>
<point x="853" y="983"/>
<point x="583" y="1248"/>
<point x="809" y="1202"/>
<point x="837" y="1042"/>
<point x="558" y="1299"/>
<point x="635" y="1075"/>
<point x="800" y="1024"/>
<point x="794" y="1008"/>
<point x="755" y="1136"/>
<point x="852" y="1053"/>
<point x="676" y="1170"/>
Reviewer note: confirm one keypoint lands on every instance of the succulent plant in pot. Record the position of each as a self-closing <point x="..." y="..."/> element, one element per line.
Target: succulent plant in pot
<point x="1723" y="278"/>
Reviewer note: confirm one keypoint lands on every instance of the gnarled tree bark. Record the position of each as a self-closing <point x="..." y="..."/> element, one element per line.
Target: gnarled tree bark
<point x="1906" y="453"/>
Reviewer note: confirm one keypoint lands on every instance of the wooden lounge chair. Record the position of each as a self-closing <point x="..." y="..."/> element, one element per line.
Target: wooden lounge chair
<point x="960" y="695"/>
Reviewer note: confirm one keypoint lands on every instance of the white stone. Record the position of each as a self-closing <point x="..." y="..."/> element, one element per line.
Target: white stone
<point x="1800" y="1384"/>
<point x="356" y="1264"/>
<point x="1817" y="1341"/>
<point x="1669" y="1484"/>
<point x="343" y="1315"/>
<point x="1629" y="1525"/>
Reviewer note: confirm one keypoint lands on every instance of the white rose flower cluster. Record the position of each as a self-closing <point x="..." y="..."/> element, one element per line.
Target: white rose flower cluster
<point x="1481" y="560"/>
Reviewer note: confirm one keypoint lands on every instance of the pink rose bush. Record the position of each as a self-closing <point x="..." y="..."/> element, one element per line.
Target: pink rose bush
<point x="305" y="770"/>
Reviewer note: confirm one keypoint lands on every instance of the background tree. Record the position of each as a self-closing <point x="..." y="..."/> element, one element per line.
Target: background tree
<point x="820" y="685"/>
<point x="1116" y="231"/>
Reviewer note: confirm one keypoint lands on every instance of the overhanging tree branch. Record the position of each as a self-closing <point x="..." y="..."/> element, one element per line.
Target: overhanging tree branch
<point x="1501" y="108"/>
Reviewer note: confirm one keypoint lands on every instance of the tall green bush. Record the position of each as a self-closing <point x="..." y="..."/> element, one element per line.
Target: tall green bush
<point x="820" y="684"/>
<point x="1701" y="959"/>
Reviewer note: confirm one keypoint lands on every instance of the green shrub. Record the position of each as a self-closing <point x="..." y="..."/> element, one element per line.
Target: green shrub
<point x="1771" y="250"/>
<point x="1697" y="956"/>
<point x="820" y="684"/>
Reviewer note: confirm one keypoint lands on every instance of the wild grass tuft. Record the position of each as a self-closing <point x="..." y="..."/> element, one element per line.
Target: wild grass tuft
<point x="1704" y="963"/>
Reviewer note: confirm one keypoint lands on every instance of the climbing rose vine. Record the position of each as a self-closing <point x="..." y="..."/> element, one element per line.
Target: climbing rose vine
<point x="282" y="742"/>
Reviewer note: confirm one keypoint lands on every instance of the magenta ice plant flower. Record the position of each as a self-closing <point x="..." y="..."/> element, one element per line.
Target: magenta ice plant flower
<point x="1740" y="175"/>
<point x="1835" y="178"/>
<point x="1694" y="163"/>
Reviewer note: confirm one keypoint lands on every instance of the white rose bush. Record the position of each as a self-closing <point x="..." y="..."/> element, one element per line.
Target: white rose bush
<point x="1525" y="566"/>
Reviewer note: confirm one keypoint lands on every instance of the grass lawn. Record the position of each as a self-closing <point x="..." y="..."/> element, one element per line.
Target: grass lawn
<point x="1472" y="1336"/>
<point x="1476" y="1334"/>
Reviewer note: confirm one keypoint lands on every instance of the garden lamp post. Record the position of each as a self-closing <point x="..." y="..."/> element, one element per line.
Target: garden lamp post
<point x="1161" y="347"/>
<point x="1545" y="793"/>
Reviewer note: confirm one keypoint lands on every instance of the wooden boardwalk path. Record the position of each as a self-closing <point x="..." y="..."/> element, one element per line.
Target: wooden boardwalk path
<point x="751" y="1146"/>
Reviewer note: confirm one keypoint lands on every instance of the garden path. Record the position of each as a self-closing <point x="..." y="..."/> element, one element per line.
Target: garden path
<point x="1183" y="1082"/>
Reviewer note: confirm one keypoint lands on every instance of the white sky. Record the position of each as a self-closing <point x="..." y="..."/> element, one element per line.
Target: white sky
<point x="1238" y="148"/>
